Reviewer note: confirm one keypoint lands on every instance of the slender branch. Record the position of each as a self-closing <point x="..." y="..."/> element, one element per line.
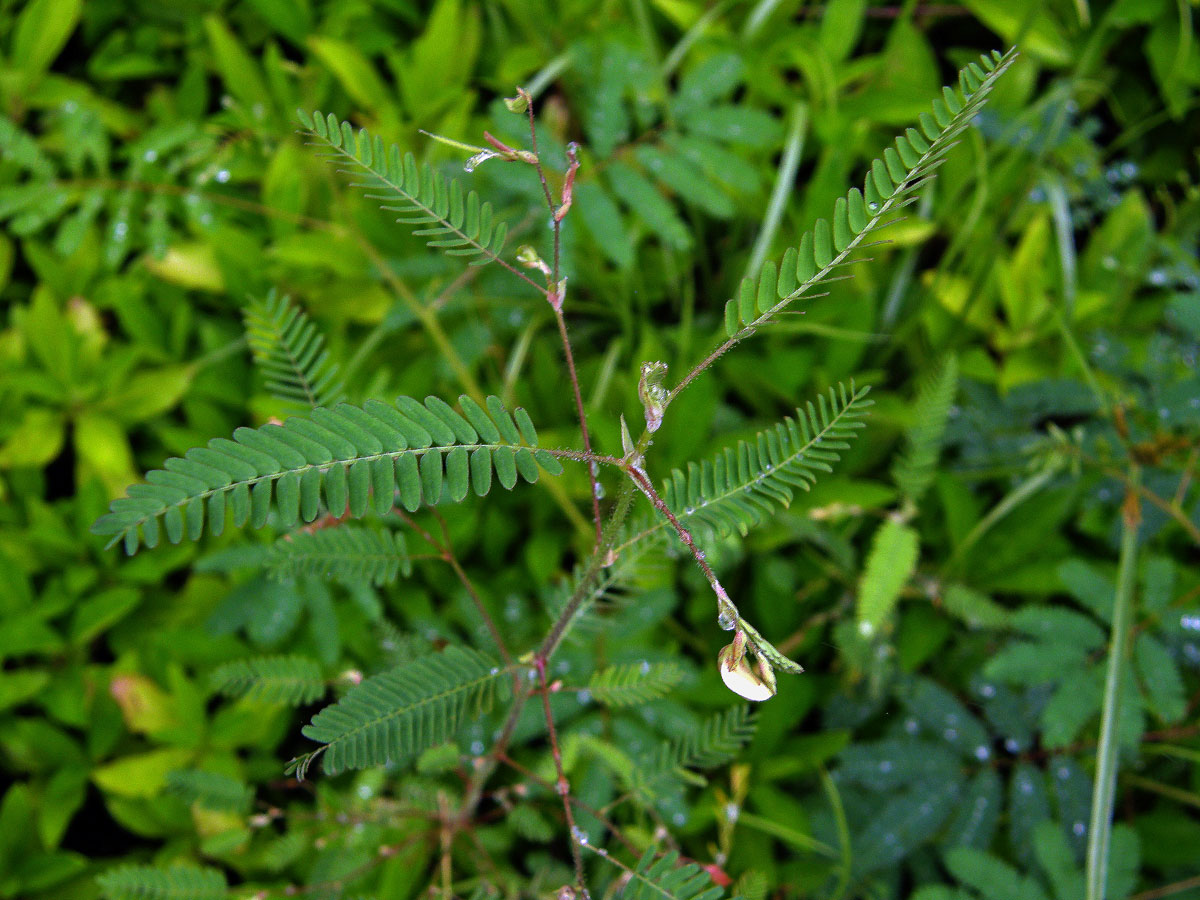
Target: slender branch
<point x="562" y="787"/>
<point x="646" y="487"/>
<point x="583" y="427"/>
<point x="575" y="801"/>
<point x="555" y="288"/>
<point x="447" y="551"/>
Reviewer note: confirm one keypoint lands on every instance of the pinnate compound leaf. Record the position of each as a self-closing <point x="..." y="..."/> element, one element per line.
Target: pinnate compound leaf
<point x="288" y="680"/>
<point x="666" y="879"/>
<point x="210" y="790"/>
<point x="915" y="469"/>
<point x="290" y="352"/>
<point x="631" y="683"/>
<point x="741" y="486"/>
<point x="348" y="553"/>
<point x="344" y="460"/>
<point x="454" y="221"/>
<point x="892" y="559"/>
<point x="715" y="742"/>
<point x="401" y="713"/>
<point x="890" y="184"/>
<point x="181" y="882"/>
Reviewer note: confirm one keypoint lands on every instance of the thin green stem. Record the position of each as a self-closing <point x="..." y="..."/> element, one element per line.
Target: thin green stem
<point x="1104" y="787"/>
<point x="1011" y="501"/>
<point x="784" y="185"/>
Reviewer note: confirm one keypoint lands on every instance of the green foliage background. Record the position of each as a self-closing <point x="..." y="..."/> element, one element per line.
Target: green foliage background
<point x="1030" y="335"/>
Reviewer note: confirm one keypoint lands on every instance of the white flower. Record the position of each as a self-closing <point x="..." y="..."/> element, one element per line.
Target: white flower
<point x="756" y="683"/>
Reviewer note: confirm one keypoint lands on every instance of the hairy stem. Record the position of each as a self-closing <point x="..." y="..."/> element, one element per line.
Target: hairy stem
<point x="555" y="281"/>
<point x="562" y="787"/>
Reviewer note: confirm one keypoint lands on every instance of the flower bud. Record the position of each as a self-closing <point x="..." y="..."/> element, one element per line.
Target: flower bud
<point x="652" y="393"/>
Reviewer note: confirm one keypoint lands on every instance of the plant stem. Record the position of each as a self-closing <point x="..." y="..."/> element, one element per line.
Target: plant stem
<point x="562" y="787"/>
<point x="1104" y="787"/>
<point x="447" y="551"/>
<point x="555" y="281"/>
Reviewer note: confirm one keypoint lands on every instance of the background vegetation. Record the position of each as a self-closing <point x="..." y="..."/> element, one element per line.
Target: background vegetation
<point x="1023" y="497"/>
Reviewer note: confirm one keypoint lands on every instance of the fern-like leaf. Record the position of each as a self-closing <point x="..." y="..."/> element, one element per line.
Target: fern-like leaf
<point x="665" y="879"/>
<point x="347" y="553"/>
<point x="890" y="184"/>
<point x="632" y="683"/>
<point x="182" y="882"/>
<point x="210" y="790"/>
<point x="914" y="470"/>
<point x="405" y="711"/>
<point x="739" y="487"/>
<point x="454" y="221"/>
<point x="288" y="680"/>
<point x="350" y="457"/>
<point x="714" y="743"/>
<point x="290" y="352"/>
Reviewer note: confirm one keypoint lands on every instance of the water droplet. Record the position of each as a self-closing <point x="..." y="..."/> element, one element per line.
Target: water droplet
<point x="1079" y="829"/>
<point x="120" y="230"/>
<point x="599" y="491"/>
<point x="579" y="834"/>
<point x="365" y="791"/>
<point x="70" y="106"/>
<point x="495" y="670"/>
<point x="223" y="176"/>
<point x="1164" y="413"/>
<point x="644" y="667"/>
<point x="987" y="690"/>
<point x="911" y="726"/>
<point x="726" y="621"/>
<point x="150" y="155"/>
<point x="885" y="765"/>
<point x="982" y="753"/>
<point x="679" y="818"/>
<point x="1063" y="773"/>
<point x="866" y="629"/>
<point x="1129" y="169"/>
<point x="731" y="812"/>
<point x="1157" y="277"/>
<point x="1109" y="263"/>
<point x="584" y="697"/>
<point x="1190" y="622"/>
<point x="950" y="734"/>
<point x="476" y="748"/>
<point x="1012" y="745"/>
